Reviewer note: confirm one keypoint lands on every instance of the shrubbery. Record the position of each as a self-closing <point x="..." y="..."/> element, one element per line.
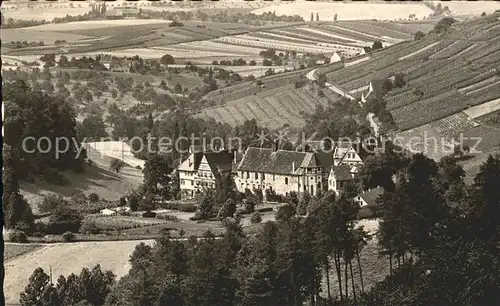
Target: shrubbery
<point x="256" y="217"/>
<point x="89" y="227"/>
<point x="52" y="176"/>
<point x="18" y="236"/>
<point x="93" y="198"/>
<point x="52" y="202"/>
<point x="68" y="237"/>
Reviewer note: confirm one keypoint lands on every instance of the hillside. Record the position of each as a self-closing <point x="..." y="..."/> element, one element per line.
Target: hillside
<point x="96" y="179"/>
<point x="452" y="85"/>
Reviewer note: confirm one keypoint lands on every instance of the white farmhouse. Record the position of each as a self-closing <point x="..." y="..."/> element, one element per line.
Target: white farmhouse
<point x="283" y="171"/>
<point x="200" y="170"/>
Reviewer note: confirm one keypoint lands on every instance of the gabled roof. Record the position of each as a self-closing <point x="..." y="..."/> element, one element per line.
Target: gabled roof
<point x="314" y="146"/>
<point x="280" y="161"/>
<point x="342" y="173"/>
<point x="218" y="161"/>
<point x="370" y="197"/>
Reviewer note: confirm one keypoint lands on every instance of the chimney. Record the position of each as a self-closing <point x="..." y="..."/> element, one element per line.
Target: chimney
<point x="293" y="167"/>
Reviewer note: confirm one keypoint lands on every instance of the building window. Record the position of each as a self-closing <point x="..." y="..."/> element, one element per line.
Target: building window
<point x="248" y="175"/>
<point x="191" y="183"/>
<point x="274" y="177"/>
<point x="286" y="180"/>
<point x="263" y="176"/>
<point x="256" y="175"/>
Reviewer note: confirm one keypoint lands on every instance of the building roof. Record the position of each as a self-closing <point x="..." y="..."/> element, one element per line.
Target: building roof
<point x="370" y="197"/>
<point x="280" y="161"/>
<point x="314" y="146"/>
<point x="218" y="162"/>
<point x="342" y="173"/>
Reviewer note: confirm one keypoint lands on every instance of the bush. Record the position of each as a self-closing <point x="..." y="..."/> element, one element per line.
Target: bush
<point x="89" y="227"/>
<point x="80" y="198"/>
<point x="18" y="236"/>
<point x="116" y="165"/>
<point x="52" y="176"/>
<point x="68" y="237"/>
<point x="265" y="209"/>
<point x="52" y="202"/>
<point x="168" y="218"/>
<point x="123" y="201"/>
<point x="63" y="220"/>
<point x="149" y="214"/>
<point x="93" y="198"/>
<point x="256" y="217"/>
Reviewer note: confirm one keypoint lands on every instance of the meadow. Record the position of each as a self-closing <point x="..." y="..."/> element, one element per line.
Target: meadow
<point x="67" y="258"/>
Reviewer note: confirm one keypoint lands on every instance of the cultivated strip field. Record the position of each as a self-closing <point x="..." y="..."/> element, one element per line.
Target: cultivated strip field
<point x="483" y="109"/>
<point x="272" y="108"/>
<point x="443" y="76"/>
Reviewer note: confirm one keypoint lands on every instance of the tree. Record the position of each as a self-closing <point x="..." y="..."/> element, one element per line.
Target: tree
<point x="157" y="175"/>
<point x="377" y="44"/>
<point x="250" y="203"/>
<point x="94" y="128"/>
<point x="418" y="35"/>
<point x="148" y="202"/>
<point x="167" y="59"/>
<point x="285" y="213"/>
<point x="256" y="217"/>
<point x="39" y="290"/>
<point x="52" y="202"/>
<point x="303" y="204"/>
<point x="178" y="88"/>
<point x="64" y="219"/>
<point x="133" y="202"/>
<point x="87" y="96"/>
<point x="443" y="25"/>
<point x="206" y="203"/>
<point x="227" y="210"/>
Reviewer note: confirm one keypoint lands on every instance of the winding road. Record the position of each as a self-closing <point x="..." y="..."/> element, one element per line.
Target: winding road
<point x="311" y="75"/>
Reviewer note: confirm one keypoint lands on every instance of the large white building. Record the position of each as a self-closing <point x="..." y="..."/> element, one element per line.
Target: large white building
<point x="286" y="171"/>
<point x="282" y="171"/>
<point x="200" y="170"/>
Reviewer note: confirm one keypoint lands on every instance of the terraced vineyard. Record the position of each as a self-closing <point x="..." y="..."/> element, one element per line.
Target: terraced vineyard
<point x="444" y="74"/>
<point x="272" y="108"/>
<point x="454" y="124"/>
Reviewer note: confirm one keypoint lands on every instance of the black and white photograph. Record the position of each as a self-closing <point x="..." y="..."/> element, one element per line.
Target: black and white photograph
<point x="250" y="153"/>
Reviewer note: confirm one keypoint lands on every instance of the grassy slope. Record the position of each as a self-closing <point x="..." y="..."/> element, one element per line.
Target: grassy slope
<point x="66" y="258"/>
<point x="96" y="179"/>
